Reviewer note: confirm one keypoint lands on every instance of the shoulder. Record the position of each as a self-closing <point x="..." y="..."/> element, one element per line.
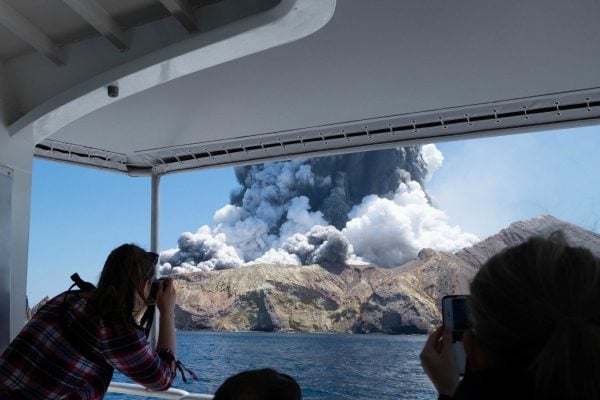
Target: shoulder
<point x="52" y="306"/>
<point x="73" y="301"/>
<point x="68" y="312"/>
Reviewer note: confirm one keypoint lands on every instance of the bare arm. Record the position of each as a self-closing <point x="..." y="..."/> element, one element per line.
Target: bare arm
<point x="165" y="301"/>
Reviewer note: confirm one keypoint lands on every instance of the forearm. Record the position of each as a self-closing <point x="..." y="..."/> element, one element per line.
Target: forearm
<point x="166" y="333"/>
<point x="130" y="354"/>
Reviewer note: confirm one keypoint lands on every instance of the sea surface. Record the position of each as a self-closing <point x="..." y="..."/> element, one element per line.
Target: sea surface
<point x="327" y="366"/>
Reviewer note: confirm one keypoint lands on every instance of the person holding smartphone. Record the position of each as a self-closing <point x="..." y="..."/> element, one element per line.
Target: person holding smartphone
<point x="535" y="328"/>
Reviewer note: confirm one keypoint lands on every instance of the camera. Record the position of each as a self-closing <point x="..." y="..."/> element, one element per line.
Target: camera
<point x="455" y="312"/>
<point x="151" y="300"/>
<point x="112" y="91"/>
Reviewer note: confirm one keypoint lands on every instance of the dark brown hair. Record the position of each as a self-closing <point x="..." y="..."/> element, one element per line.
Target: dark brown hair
<point x="259" y="384"/>
<point x="125" y="272"/>
<point x="536" y="309"/>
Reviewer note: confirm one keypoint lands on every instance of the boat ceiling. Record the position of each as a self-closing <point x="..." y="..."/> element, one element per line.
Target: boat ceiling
<point x="211" y="83"/>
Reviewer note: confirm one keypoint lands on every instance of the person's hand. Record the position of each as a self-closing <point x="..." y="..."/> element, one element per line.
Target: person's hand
<point x="166" y="296"/>
<point x="437" y="360"/>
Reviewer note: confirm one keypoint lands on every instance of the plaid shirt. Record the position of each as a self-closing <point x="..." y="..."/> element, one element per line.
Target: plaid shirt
<point x="63" y="354"/>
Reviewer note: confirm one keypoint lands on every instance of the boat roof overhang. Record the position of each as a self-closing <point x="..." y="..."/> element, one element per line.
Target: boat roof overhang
<point x="211" y="83"/>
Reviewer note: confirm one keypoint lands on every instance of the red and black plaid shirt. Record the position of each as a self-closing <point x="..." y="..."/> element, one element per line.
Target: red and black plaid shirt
<point x="63" y="354"/>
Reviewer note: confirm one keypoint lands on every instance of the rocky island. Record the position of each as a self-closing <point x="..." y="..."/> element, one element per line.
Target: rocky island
<point x="346" y="298"/>
<point x="350" y="298"/>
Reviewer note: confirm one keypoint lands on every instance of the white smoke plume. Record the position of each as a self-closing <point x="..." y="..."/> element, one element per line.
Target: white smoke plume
<point x="389" y="232"/>
<point x="433" y="158"/>
<point x="356" y="208"/>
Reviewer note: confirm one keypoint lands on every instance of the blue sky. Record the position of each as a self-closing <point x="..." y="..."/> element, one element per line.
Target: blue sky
<point x="486" y="184"/>
<point x="79" y="214"/>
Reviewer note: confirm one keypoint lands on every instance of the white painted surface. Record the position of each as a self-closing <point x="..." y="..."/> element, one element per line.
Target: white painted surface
<point x="101" y="20"/>
<point x="5" y="236"/>
<point x="370" y="62"/>
<point x="16" y="154"/>
<point x="288" y="21"/>
<point x="174" y="394"/>
<point x="29" y="33"/>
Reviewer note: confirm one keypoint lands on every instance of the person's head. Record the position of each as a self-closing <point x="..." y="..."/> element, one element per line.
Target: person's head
<point x="536" y="310"/>
<point x="259" y="384"/>
<point x="124" y="280"/>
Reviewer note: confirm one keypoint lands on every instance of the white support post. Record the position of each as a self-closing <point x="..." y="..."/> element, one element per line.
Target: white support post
<point x="183" y="13"/>
<point x="28" y="32"/>
<point x="101" y="20"/>
<point x="16" y="160"/>
<point x="154" y="243"/>
<point x="5" y="225"/>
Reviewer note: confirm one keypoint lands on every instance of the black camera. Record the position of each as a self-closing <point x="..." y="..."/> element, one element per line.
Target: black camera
<point x="151" y="300"/>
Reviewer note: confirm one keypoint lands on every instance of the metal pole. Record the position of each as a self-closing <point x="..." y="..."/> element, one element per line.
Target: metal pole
<point x="154" y="217"/>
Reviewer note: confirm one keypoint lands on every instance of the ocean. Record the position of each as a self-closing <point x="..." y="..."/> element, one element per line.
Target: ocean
<point x="327" y="366"/>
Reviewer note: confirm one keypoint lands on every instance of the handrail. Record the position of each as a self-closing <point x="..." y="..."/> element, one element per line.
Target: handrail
<point x="138" y="390"/>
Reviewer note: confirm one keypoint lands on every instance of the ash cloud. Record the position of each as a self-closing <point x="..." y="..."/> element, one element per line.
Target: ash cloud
<point x="356" y="208"/>
<point x="203" y="250"/>
<point x="332" y="184"/>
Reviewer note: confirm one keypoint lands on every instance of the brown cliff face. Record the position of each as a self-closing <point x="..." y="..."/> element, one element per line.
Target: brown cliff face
<point x="307" y="299"/>
<point x="361" y="299"/>
<point x="358" y="299"/>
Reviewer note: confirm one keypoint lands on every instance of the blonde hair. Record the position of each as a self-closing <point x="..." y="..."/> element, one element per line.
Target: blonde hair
<point x="536" y="309"/>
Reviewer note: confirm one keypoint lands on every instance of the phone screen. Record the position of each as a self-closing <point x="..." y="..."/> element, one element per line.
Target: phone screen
<point x="460" y="315"/>
<point x="455" y="312"/>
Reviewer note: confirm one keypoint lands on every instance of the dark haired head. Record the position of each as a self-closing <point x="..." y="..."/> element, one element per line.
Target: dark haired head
<point x="259" y="384"/>
<point x="125" y="272"/>
<point x="535" y="308"/>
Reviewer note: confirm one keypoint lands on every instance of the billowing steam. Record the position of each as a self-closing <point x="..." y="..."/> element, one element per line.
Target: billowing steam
<point x="356" y="208"/>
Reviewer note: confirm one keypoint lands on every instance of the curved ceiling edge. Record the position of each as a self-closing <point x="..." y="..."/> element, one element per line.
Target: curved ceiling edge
<point x="289" y="21"/>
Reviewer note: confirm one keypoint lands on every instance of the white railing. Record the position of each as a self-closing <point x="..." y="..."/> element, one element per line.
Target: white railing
<point x="138" y="390"/>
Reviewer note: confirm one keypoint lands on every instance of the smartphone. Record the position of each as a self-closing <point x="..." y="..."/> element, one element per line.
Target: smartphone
<point x="455" y="312"/>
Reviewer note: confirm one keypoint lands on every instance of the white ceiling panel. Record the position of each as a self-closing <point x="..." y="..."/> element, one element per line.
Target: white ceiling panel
<point x="378" y="64"/>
